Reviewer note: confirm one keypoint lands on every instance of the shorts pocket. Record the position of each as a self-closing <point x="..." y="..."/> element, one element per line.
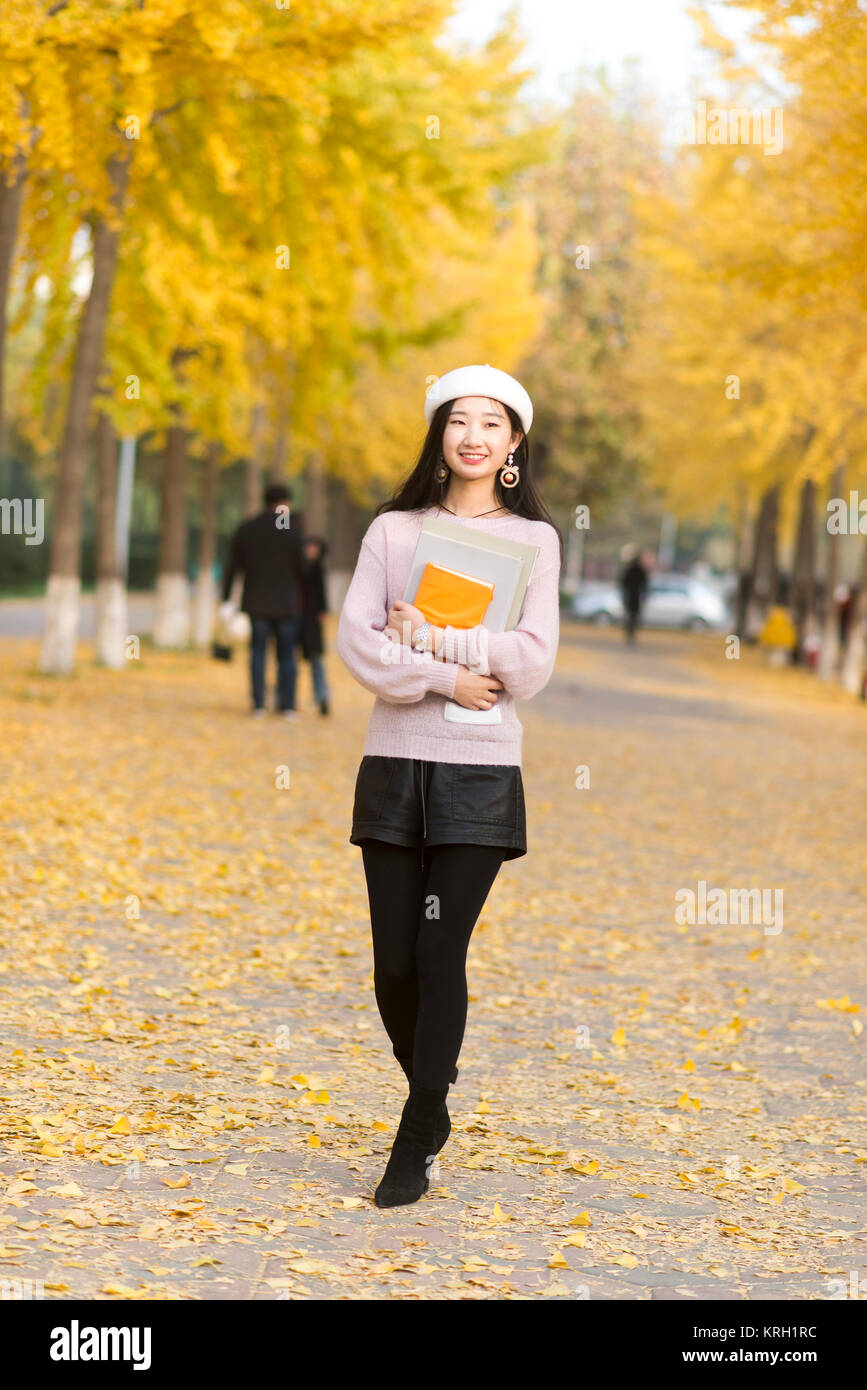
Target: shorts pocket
<point x="485" y="795"/>
<point x="372" y="785"/>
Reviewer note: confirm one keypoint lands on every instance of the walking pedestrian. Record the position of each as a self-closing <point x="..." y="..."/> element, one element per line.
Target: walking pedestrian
<point x="313" y="606"/>
<point x="439" y="805"/>
<point x="268" y="553"/>
<point x="633" y="588"/>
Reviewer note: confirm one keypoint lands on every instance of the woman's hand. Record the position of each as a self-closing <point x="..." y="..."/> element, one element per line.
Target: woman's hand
<point x="474" y="691"/>
<point x="404" y="619"/>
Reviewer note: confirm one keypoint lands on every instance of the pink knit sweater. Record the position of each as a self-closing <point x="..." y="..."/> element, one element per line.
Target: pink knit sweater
<point x="407" y="719"/>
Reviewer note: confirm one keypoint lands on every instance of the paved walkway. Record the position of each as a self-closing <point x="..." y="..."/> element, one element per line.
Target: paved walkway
<point x="198" y="1094"/>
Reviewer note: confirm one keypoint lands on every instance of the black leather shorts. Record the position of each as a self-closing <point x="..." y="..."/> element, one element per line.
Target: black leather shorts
<point x="409" y="801"/>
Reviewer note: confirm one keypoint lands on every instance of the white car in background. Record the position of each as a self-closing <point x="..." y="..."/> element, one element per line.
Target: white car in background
<point x="673" y="601"/>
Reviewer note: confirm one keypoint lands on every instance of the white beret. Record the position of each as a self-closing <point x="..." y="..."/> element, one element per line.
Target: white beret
<point x="480" y="381"/>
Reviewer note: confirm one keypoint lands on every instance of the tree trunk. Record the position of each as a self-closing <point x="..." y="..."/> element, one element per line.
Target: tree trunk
<point x="316" y="510"/>
<point x="345" y="539"/>
<point x="254" y="470"/>
<point x="803" y="596"/>
<point x="281" y="456"/>
<point x="853" y="657"/>
<point x="61" y="601"/>
<point x="172" y="617"/>
<point x="744" y="532"/>
<point x="11" y="197"/>
<point x="830" y="653"/>
<point x="763" y="579"/>
<point x="111" y="609"/>
<point x="205" y="595"/>
<point x="282" y="396"/>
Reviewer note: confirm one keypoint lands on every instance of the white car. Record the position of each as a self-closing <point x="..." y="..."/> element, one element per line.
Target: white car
<point x="673" y="600"/>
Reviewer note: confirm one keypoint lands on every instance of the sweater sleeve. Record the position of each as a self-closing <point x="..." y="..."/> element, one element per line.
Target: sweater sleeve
<point x="523" y="659"/>
<point x="388" y="669"/>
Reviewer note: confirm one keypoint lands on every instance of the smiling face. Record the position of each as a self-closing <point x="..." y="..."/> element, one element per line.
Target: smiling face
<point x="477" y="437"/>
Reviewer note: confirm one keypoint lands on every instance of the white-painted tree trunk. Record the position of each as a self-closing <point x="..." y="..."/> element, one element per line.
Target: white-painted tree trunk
<point x="853" y="660"/>
<point x="337" y="583"/>
<point x="172" y="613"/>
<point x="753" y="620"/>
<point x="853" y="657"/>
<point x="111" y="620"/>
<point x="60" y="632"/>
<point x="829" y="653"/>
<point x="204" y="608"/>
<point x="830" y="650"/>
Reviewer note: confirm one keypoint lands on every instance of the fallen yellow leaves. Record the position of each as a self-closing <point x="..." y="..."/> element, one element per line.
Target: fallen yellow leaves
<point x="190" y="1037"/>
<point x="19" y="1186"/>
<point x="843" y="1005"/>
<point x="789" y="1185"/>
<point x="78" y="1217"/>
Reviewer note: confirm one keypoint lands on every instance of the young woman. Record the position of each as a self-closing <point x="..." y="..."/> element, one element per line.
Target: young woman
<point x="439" y="805"/>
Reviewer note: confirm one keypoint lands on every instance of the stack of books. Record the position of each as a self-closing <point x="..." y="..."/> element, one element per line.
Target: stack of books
<point x="462" y="578"/>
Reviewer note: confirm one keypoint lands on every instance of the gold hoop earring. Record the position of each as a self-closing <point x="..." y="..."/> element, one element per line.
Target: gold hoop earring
<point x="509" y="475"/>
<point x="441" y="472"/>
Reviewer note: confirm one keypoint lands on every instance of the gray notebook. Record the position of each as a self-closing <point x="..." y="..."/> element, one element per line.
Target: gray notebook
<point x="478" y="542"/>
<point x="507" y="564"/>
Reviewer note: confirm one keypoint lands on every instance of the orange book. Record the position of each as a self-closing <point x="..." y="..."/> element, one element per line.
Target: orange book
<point x="451" y="599"/>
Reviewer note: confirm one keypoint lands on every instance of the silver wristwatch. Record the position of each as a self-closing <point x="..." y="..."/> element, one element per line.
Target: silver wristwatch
<point x="419" y="637"/>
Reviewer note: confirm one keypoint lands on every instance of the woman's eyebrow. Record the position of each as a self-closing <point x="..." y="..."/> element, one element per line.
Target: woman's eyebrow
<point x="496" y="413"/>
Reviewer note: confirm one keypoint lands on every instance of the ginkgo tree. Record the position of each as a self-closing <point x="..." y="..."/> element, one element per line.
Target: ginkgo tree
<point x="749" y="366"/>
<point x="266" y="195"/>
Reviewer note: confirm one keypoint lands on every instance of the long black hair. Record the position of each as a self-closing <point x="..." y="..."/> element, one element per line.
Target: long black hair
<point x="421" y="489"/>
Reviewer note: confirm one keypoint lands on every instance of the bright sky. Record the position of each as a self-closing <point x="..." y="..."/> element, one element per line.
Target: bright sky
<point x="565" y="34"/>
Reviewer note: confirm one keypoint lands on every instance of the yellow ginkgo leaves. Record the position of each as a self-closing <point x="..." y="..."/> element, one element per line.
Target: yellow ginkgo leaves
<point x="843" y="1005"/>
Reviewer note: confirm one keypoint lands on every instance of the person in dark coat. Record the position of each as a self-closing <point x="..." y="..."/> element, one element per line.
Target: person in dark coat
<point x="315" y="603"/>
<point x="633" y="589"/>
<point x="268" y="552"/>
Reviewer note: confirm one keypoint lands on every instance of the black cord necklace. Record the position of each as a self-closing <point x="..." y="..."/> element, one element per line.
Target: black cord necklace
<point x="444" y="508"/>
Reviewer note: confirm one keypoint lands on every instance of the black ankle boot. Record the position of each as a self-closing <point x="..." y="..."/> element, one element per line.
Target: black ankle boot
<point x="443" y="1124"/>
<point x="406" y="1176"/>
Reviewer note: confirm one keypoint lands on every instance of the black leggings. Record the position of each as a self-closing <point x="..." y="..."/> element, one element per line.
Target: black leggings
<point x="421" y="921"/>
